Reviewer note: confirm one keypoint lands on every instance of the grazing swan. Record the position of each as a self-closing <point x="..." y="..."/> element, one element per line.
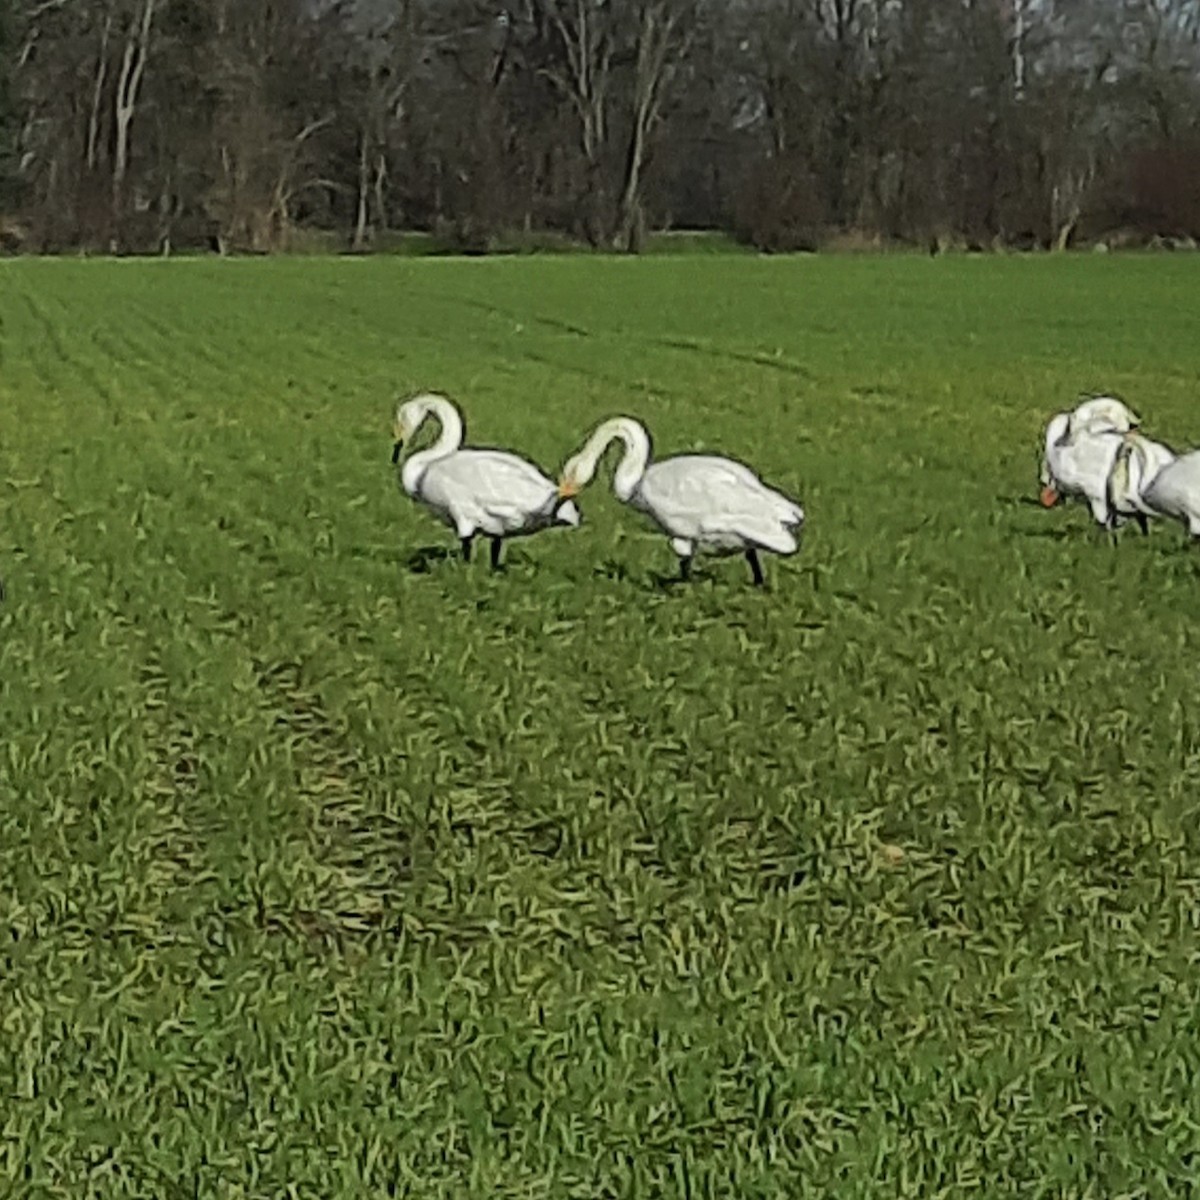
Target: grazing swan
<point x="700" y="501"/>
<point x="1079" y="452"/>
<point x="1175" y="491"/>
<point x="1077" y="462"/>
<point x="475" y="491"/>
<point x="1137" y="464"/>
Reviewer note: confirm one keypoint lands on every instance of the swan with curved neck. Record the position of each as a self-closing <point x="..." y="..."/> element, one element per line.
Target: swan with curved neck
<point x="409" y="417"/>
<point x="702" y="502"/>
<point x="475" y="491"/>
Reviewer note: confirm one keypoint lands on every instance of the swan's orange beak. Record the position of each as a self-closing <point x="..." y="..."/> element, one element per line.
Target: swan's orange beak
<point x="567" y="489"/>
<point x="1049" y="497"/>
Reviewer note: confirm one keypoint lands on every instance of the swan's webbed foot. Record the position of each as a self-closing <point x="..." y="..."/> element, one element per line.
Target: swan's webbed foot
<point x="755" y="567"/>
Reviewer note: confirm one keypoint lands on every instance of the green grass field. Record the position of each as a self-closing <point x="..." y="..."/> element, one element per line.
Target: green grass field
<point x="330" y="867"/>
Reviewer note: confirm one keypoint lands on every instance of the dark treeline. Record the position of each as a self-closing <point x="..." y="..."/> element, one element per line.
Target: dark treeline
<point x="253" y="125"/>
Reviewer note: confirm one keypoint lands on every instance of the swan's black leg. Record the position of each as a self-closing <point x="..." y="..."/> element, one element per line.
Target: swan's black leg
<point x="1143" y="523"/>
<point x="685" y="569"/>
<point x="466" y="549"/>
<point x="497" y="546"/>
<point x="755" y="567"/>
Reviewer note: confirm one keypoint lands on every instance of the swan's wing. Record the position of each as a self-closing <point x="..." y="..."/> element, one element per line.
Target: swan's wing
<point x="1105" y="412"/>
<point x="732" y="484"/>
<point x="1158" y="456"/>
<point x="1175" y="491"/>
<point x="1083" y="464"/>
<point x="492" y="482"/>
<point x="702" y="495"/>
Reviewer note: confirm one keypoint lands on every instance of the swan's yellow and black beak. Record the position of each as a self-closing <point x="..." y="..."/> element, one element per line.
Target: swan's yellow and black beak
<point x="398" y="435"/>
<point x="567" y="489"/>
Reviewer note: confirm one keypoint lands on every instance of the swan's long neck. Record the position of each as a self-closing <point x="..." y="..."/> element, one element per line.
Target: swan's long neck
<point x="634" y="460"/>
<point x="449" y="440"/>
<point x="1056" y="433"/>
<point x="1142" y="470"/>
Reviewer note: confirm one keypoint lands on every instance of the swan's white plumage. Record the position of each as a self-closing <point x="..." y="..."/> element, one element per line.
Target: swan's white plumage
<point x="494" y="493"/>
<point x="1175" y="491"/>
<point x="1080" y="452"/>
<point x="720" y="505"/>
<point x="475" y="491"/>
<point x="1105" y="411"/>
<point x="702" y="502"/>
<point x="1078" y="462"/>
<point x="1138" y="463"/>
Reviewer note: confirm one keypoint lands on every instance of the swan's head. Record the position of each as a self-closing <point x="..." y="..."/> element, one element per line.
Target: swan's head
<point x="411" y="412"/>
<point x="1106" y="412"/>
<point x="576" y="474"/>
<point x="409" y="415"/>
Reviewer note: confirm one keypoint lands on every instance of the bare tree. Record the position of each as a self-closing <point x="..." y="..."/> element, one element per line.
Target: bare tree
<point x="579" y="64"/>
<point x="385" y="57"/>
<point x="665" y="29"/>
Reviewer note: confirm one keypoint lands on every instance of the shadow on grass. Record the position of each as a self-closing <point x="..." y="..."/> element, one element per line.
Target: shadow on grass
<point x="1053" y="535"/>
<point x="423" y="559"/>
<point x="612" y="568"/>
<point x="672" y="583"/>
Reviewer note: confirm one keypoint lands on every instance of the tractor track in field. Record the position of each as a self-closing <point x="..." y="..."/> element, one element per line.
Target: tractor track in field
<point x="362" y="855"/>
<point x="59" y="348"/>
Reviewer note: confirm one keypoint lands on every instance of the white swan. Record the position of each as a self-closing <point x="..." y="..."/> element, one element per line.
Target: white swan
<point x="1138" y="462"/>
<point x="1077" y="463"/>
<point x="1080" y="450"/>
<point x="702" y="502"/>
<point x="1175" y="491"/>
<point x="492" y="492"/>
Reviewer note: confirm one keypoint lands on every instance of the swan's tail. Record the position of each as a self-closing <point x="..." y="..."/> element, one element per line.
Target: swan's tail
<point x="766" y="531"/>
<point x="788" y="512"/>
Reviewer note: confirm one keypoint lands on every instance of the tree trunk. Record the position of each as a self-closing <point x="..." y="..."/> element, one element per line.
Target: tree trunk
<point x="93" y="133"/>
<point x="381" y="213"/>
<point x="129" y="82"/>
<point x="656" y="40"/>
<point x="631" y="194"/>
<point x="364" y="181"/>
